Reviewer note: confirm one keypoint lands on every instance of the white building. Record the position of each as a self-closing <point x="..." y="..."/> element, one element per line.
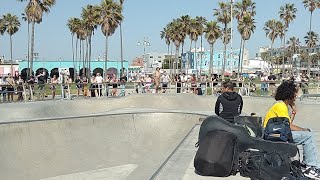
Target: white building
<point x="256" y="64"/>
<point x="153" y="60"/>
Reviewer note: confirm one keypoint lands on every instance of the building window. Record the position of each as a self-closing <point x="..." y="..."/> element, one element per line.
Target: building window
<point x="218" y="55"/>
<point x="151" y="57"/>
<point x="234" y="63"/>
<point x="159" y="57"/>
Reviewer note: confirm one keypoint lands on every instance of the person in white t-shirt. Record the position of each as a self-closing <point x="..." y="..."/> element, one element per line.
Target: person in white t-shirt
<point x="99" y="81"/>
<point x="165" y="78"/>
<point x="148" y="81"/>
<point x="184" y="80"/>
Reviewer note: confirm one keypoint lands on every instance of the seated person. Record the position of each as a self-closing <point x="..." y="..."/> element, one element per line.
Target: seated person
<point x="229" y="104"/>
<point x="285" y="96"/>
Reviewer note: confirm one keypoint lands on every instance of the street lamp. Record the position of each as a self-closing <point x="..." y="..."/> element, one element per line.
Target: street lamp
<point x="144" y="43"/>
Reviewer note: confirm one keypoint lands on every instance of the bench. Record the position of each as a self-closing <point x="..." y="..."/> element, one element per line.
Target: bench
<point x="309" y="95"/>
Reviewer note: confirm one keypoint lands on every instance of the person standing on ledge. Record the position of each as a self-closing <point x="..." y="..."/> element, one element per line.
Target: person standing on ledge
<point x="157" y="78"/>
<point x="229" y="104"/>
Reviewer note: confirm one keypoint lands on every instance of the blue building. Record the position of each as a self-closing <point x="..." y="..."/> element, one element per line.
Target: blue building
<point x="52" y="67"/>
<point x="195" y="63"/>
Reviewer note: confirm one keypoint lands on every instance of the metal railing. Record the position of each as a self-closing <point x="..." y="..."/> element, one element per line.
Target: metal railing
<point x="40" y="92"/>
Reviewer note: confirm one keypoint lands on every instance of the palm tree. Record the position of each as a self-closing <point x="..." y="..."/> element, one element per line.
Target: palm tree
<point x="280" y="28"/>
<point x="311" y="5"/>
<point x="111" y="17"/>
<point x="164" y="34"/>
<point x="185" y="22"/>
<point x="82" y="35"/>
<point x="90" y="15"/>
<point x="246" y="8"/>
<point x="311" y="39"/>
<point x="25" y="18"/>
<point x="34" y="12"/>
<point x="223" y="14"/>
<point x="213" y="32"/>
<point x="246" y="27"/>
<point x="2" y="27"/>
<point x="287" y="14"/>
<point x="121" y="38"/>
<point x="202" y="21"/>
<point x="73" y="24"/>
<point x="175" y="29"/>
<point x="293" y="47"/>
<point x="193" y="35"/>
<point x="12" y="24"/>
<point x="271" y="30"/>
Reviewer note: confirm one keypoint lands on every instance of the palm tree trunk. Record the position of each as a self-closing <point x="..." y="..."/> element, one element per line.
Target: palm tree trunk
<point x="106" y="58"/>
<point x="32" y="48"/>
<point x="181" y="57"/>
<point x="77" y="53"/>
<point x="211" y="60"/>
<point x="309" y="48"/>
<point x="195" y="56"/>
<point x="121" y="48"/>
<point x="74" y="65"/>
<point x="200" y="53"/>
<point x="86" y="58"/>
<point x="241" y="63"/>
<point x="240" y="56"/>
<point x="83" y="57"/>
<point x="28" y="72"/>
<point x="176" y="60"/>
<point x="284" y="50"/>
<point x="11" y="55"/>
<point x="89" y="55"/>
<point x="170" y="62"/>
<point x="224" y="60"/>
<point x="270" y="58"/>
<point x="189" y="61"/>
<point x="168" y="54"/>
<point x="80" y="55"/>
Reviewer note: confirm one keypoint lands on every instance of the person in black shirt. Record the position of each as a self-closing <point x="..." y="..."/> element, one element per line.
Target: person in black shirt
<point x="229" y="104"/>
<point x="79" y="85"/>
<point x="41" y="82"/>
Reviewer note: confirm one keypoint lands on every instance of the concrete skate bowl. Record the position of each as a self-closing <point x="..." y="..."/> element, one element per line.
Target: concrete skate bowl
<point x="116" y="146"/>
<point x="85" y="107"/>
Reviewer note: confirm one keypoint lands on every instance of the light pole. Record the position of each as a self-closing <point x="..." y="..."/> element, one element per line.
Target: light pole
<point x="144" y="43"/>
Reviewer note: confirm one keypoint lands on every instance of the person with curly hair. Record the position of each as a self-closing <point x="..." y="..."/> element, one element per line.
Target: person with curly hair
<point x="285" y="96"/>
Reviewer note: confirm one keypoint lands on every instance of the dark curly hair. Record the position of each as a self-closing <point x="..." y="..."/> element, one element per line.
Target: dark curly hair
<point x="287" y="90"/>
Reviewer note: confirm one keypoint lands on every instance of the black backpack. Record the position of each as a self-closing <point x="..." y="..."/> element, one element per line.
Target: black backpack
<point x="261" y="165"/>
<point x="217" y="154"/>
<point x="221" y="143"/>
<point x="278" y="129"/>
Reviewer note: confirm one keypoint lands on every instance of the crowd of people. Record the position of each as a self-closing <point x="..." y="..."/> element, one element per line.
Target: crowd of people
<point x="35" y="85"/>
<point x="156" y="82"/>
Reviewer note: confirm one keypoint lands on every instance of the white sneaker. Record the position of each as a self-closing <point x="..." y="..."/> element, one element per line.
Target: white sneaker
<point x="312" y="172"/>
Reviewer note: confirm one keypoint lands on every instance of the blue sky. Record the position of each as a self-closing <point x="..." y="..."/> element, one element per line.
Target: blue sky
<point x="143" y="18"/>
